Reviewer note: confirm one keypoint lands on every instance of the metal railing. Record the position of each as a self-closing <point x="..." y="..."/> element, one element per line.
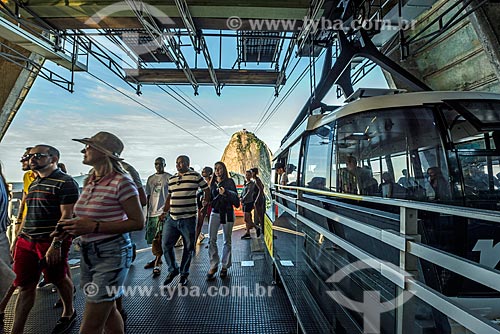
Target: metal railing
<point x="407" y="241"/>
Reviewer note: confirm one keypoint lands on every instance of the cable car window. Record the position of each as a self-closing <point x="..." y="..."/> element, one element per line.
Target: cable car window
<point x="389" y="153"/>
<point x="316" y="159"/>
<point x="333" y="172"/>
<point x="478" y="155"/>
<point x="483" y="114"/>
<point x="291" y="167"/>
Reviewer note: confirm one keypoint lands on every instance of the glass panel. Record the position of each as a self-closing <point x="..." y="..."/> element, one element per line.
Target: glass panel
<point x="477" y="160"/>
<point x="333" y="173"/>
<point x="377" y="148"/>
<point x="292" y="164"/>
<point x="488" y="112"/>
<point x="316" y="159"/>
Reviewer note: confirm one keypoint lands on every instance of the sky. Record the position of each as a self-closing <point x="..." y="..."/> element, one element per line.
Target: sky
<point x="51" y="115"/>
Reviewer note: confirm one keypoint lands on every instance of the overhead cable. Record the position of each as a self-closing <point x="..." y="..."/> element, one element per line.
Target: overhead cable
<point x="287" y="94"/>
<point x="152" y="111"/>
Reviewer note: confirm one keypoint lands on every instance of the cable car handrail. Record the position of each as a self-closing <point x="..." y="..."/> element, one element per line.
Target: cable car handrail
<point x="408" y="246"/>
<point x="389" y="237"/>
<point x="472" y="270"/>
<point x="447" y="306"/>
<point x="452" y="210"/>
<point x="389" y="272"/>
<point x="378" y="213"/>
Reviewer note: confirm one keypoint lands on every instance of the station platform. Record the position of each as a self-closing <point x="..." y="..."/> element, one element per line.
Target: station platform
<point x="246" y="301"/>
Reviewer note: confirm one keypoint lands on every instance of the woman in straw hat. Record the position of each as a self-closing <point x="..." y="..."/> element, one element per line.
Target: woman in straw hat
<point x="107" y="210"/>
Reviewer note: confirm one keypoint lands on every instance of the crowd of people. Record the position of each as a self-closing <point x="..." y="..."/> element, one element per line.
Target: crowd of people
<point x="53" y="215"/>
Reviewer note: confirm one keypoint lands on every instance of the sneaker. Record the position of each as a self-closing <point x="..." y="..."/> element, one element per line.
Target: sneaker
<point x="64" y="324"/>
<point x="170" y="277"/>
<point x="258" y="231"/>
<point x="246" y="236"/>
<point x="179" y="243"/>
<point x="183" y="280"/>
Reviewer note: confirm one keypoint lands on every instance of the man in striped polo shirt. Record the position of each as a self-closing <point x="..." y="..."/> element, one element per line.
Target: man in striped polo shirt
<point x="181" y="221"/>
<point x="51" y="197"/>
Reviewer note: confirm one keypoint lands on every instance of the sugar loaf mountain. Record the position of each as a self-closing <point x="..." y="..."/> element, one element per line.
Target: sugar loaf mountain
<point x="245" y="151"/>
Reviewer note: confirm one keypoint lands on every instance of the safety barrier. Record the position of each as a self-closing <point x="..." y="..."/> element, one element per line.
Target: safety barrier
<point x="407" y="241"/>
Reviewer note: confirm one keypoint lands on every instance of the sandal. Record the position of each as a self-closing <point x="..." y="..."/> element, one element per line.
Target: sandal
<point x="211" y="273"/>
<point x="156" y="271"/>
<point x="223" y="273"/>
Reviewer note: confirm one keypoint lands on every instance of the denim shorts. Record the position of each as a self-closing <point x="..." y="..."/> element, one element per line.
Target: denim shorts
<point x="104" y="266"/>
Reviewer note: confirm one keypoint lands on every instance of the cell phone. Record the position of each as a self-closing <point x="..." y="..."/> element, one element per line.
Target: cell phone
<point x="59" y="228"/>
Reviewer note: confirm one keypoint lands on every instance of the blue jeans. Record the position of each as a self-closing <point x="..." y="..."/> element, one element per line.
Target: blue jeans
<point x="104" y="266"/>
<point x="172" y="229"/>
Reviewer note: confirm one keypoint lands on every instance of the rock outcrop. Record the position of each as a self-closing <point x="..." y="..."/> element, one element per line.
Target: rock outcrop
<point x="245" y="151"/>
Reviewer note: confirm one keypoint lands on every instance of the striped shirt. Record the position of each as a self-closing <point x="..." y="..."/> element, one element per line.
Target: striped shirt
<point x="102" y="201"/>
<point x="183" y="190"/>
<point x="44" y="199"/>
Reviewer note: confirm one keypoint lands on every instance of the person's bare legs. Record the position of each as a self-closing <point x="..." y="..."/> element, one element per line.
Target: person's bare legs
<point x="98" y="316"/>
<point x="65" y="289"/>
<point x="202" y="213"/>
<point x="6" y="298"/>
<point x="24" y="304"/>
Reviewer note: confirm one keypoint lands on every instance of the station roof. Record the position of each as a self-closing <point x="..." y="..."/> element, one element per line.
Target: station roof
<point x="206" y="14"/>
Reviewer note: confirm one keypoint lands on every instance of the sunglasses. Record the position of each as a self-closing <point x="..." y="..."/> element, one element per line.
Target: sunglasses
<point x="36" y="156"/>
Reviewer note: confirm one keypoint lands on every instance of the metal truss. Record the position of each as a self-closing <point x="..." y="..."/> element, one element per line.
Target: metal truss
<point x="307" y="32"/>
<point x="17" y="58"/>
<point x="39" y="37"/>
<point x="95" y="50"/>
<point x="366" y="67"/>
<point x="340" y="73"/>
<point x="438" y="26"/>
<point x="198" y="40"/>
<point x="286" y="61"/>
<point x="164" y="39"/>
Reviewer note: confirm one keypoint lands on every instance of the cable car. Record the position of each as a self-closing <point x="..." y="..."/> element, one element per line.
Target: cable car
<point x="353" y="167"/>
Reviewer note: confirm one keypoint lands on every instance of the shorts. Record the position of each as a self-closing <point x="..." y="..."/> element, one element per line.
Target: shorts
<point x="104" y="266"/>
<point x="27" y="266"/>
<point x="153" y="225"/>
<point x="248" y="207"/>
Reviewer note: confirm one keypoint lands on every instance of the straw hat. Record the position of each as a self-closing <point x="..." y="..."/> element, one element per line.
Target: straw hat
<point x="105" y="142"/>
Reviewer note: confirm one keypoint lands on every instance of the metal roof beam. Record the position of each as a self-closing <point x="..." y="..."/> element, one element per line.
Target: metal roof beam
<point x="163" y="39"/>
<point x="226" y="77"/>
<point x="309" y="28"/>
<point x="21" y="37"/>
<point x="198" y="40"/>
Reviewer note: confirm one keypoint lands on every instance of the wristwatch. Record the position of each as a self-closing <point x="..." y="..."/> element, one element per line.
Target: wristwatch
<point x="57" y="244"/>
